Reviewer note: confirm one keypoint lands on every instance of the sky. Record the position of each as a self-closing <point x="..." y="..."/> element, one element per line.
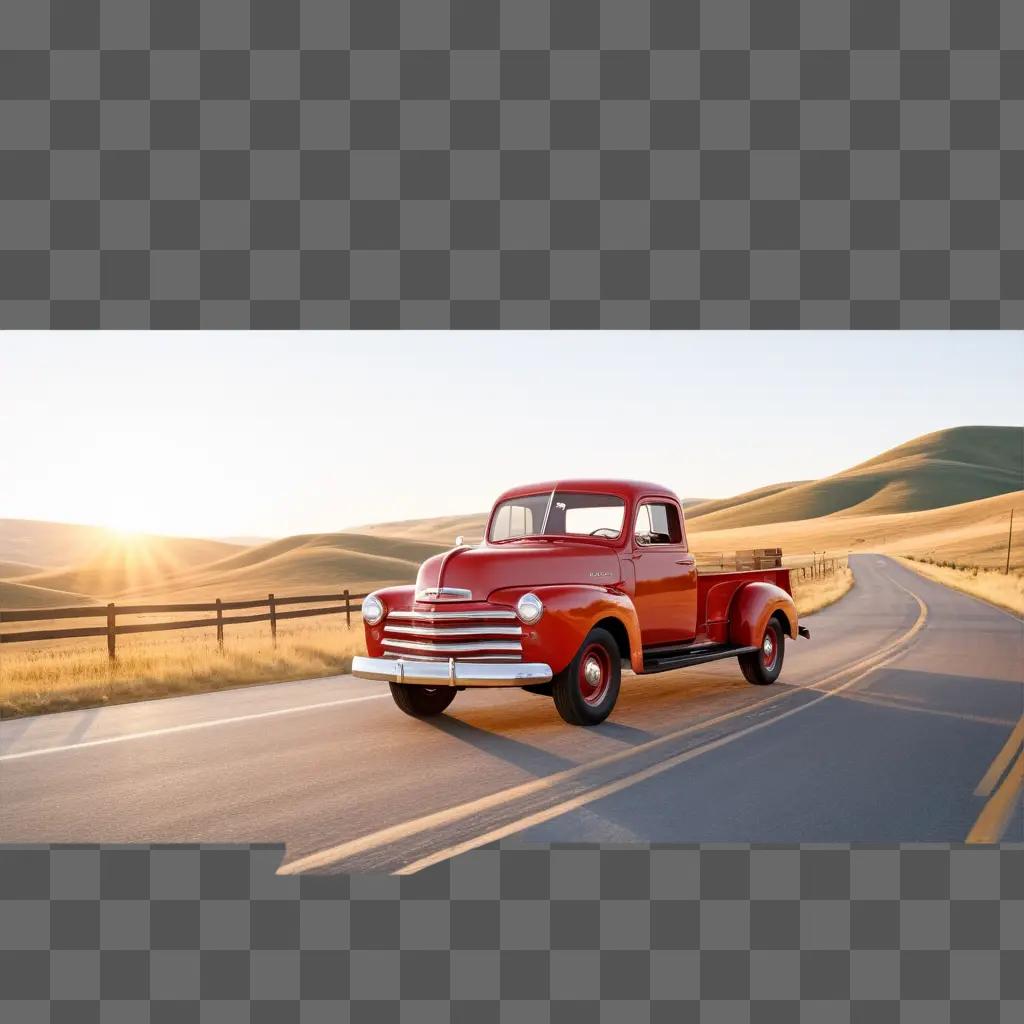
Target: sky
<point x="271" y="434"/>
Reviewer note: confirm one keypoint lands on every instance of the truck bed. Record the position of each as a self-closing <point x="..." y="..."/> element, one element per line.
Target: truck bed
<point x="715" y="591"/>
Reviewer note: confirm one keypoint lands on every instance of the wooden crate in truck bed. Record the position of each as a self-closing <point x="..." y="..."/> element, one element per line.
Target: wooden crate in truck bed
<point x="759" y="558"/>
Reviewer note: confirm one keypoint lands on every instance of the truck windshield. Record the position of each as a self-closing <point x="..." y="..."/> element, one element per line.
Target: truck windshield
<point x="558" y="513"/>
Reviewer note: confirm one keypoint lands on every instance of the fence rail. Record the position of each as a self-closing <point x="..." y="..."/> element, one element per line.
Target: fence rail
<point x="341" y="604"/>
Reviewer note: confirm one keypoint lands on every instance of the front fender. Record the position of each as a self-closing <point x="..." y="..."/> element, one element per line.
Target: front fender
<point x="395" y="599"/>
<point x="571" y="611"/>
<point x="751" y="608"/>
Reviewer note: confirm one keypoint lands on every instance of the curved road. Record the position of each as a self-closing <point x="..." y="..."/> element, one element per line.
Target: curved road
<point x="900" y="720"/>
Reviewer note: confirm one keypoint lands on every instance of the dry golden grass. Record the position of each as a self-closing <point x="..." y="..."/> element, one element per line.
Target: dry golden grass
<point x="1004" y="591"/>
<point x="66" y="674"/>
<point x="811" y="595"/>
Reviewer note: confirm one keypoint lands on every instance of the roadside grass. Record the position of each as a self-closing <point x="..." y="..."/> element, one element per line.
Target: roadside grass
<point x="811" y="595"/>
<point x="68" y="674"/>
<point x="1004" y="591"/>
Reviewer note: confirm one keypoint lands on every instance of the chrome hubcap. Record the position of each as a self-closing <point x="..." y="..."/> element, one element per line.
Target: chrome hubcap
<point x="768" y="646"/>
<point x="592" y="671"/>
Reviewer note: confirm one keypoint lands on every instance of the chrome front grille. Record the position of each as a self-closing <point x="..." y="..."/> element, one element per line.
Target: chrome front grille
<point x="488" y="634"/>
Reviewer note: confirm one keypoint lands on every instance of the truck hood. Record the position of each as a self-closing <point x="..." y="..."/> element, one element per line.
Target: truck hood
<point x="483" y="570"/>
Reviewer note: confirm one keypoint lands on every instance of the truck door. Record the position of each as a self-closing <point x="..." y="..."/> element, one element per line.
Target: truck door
<point x="666" y="574"/>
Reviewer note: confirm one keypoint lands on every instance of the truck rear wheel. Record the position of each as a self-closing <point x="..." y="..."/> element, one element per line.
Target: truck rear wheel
<point x="586" y="691"/>
<point x="422" y="701"/>
<point x="763" y="666"/>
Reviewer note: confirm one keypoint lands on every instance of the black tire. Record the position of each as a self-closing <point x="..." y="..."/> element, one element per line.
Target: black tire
<point x="762" y="667"/>
<point x="422" y="701"/>
<point x="577" y="700"/>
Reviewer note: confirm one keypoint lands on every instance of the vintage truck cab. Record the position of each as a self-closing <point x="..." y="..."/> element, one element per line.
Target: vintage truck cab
<point x="573" y="580"/>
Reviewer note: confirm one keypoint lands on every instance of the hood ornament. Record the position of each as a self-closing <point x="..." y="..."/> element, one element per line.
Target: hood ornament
<point x="438" y="594"/>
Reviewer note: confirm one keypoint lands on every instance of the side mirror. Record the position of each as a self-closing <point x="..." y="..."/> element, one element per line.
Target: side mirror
<point x="459" y="541"/>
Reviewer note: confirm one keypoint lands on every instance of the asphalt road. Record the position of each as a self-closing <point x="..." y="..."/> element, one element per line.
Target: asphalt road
<point x="900" y="720"/>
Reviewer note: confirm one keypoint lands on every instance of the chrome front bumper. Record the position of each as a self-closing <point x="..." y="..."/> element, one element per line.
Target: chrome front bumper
<point x="451" y="672"/>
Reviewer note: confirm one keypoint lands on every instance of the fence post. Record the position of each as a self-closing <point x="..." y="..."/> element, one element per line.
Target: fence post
<point x="273" y="618"/>
<point x="111" y="631"/>
<point x="348" y="612"/>
<point x="220" y="625"/>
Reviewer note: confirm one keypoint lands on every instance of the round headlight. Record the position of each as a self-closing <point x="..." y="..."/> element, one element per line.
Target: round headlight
<point x="373" y="609"/>
<point x="529" y="608"/>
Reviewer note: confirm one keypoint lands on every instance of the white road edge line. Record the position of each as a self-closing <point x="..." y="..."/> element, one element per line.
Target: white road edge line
<point x="187" y="726"/>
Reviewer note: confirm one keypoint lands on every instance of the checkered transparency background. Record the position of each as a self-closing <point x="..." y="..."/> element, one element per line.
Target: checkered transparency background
<point x="534" y="163"/>
<point x="511" y="163"/>
<point x="513" y="934"/>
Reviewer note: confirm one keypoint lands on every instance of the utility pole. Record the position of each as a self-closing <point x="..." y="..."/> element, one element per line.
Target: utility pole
<point x="1009" y="540"/>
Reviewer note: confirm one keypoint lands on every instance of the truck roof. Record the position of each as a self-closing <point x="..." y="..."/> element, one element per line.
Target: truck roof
<point x="626" y="489"/>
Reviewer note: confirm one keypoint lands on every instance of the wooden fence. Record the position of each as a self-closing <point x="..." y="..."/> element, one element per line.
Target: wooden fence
<point x="820" y="567"/>
<point x="343" y="604"/>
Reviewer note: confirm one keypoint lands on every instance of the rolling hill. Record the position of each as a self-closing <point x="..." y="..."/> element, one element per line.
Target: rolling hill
<point x="974" y="532"/>
<point x="20" y="595"/>
<point x="948" y="467"/>
<point x="439" y="530"/>
<point x="52" y="546"/>
<point x="12" y="570"/>
<point x="702" y="508"/>
<point x="301" y="564"/>
<point x="124" y="563"/>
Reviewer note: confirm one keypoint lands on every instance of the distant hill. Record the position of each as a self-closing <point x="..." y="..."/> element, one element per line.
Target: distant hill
<point x="948" y="467"/>
<point x="703" y="508"/>
<point x="439" y="530"/>
<point x="19" y="595"/>
<point x="51" y="545"/>
<point x="11" y="570"/>
<point x="326" y="562"/>
<point x="126" y="563"/>
<point x="975" y="532"/>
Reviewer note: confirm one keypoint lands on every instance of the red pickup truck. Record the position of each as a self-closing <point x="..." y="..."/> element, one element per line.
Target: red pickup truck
<point x="573" y="580"/>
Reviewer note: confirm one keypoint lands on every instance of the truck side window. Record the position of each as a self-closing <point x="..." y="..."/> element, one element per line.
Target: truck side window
<point x="657" y="523"/>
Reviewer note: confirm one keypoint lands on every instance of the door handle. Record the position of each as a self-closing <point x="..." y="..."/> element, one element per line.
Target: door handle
<point x="684" y="561"/>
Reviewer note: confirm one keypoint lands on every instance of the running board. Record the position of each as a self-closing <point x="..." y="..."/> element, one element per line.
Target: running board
<point x="697" y="657"/>
<point x="804" y="632"/>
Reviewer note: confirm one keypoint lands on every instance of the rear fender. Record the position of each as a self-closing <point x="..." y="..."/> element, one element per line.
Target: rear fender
<point x="570" y="613"/>
<point x="751" y="608"/>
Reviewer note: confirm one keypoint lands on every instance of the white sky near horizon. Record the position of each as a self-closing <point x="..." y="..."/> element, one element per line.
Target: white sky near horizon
<point x="275" y="433"/>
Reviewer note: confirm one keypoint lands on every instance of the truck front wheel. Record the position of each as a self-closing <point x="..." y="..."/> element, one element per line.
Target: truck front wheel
<point x="422" y="701"/>
<point x="586" y="691"/>
<point x="763" y="666"/>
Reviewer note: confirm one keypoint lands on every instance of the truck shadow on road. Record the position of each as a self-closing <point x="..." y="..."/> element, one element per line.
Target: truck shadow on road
<point x="533" y="759"/>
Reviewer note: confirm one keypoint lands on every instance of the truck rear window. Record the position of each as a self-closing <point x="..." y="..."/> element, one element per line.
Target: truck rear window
<point x="564" y="513"/>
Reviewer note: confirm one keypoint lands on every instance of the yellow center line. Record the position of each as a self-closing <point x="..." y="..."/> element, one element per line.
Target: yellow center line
<point x="557" y="810"/>
<point x="376" y="840"/>
<point x="1002" y="760"/>
<point x="996" y="814"/>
